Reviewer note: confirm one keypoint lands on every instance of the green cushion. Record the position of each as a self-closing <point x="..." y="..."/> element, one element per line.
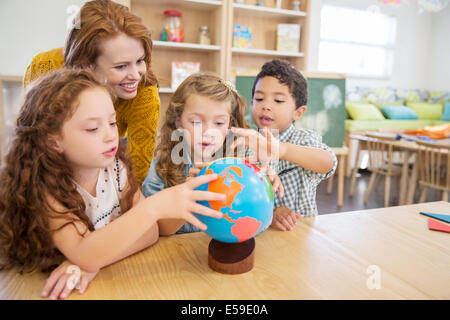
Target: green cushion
<point x="363" y="111"/>
<point x="427" y="111"/>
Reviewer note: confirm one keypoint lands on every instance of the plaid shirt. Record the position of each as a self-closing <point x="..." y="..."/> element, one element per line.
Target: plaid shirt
<point x="299" y="183"/>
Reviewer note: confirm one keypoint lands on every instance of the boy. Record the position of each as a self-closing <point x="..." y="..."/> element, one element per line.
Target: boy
<point x="279" y="97"/>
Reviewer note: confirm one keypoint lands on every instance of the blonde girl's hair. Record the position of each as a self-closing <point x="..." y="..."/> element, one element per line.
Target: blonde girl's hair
<point x="33" y="172"/>
<point x="203" y="84"/>
<point x="100" y="20"/>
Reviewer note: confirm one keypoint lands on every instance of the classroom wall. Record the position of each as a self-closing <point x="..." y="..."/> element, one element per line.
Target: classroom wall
<point x="438" y="77"/>
<point x="421" y="50"/>
<point x="28" y="27"/>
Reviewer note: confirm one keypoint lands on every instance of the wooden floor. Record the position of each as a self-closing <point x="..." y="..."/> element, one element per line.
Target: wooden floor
<point x="327" y="203"/>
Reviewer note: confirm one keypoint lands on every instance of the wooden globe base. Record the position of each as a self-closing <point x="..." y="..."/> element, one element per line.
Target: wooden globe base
<point x="231" y="258"/>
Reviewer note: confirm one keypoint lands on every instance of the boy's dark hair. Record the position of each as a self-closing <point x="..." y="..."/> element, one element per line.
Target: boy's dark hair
<point x="288" y="75"/>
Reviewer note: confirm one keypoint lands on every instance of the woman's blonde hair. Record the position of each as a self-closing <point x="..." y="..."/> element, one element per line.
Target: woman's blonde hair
<point x="33" y="172"/>
<point x="202" y="84"/>
<point x="100" y="20"/>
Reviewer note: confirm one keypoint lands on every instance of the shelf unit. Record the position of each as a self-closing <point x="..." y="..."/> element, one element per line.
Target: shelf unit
<point x="220" y="16"/>
<point x="264" y="22"/>
<point x="195" y="13"/>
<point x="267" y="11"/>
<point x="263" y="52"/>
<point x="185" y="46"/>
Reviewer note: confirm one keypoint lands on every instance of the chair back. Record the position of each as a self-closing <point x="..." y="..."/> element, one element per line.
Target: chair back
<point x="380" y="152"/>
<point x="434" y="165"/>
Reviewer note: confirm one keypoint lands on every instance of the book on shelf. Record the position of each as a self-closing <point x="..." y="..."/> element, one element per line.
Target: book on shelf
<point x="242" y="36"/>
<point x="181" y="70"/>
<point x="288" y="37"/>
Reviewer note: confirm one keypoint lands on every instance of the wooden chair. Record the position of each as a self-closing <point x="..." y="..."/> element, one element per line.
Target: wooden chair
<point x="434" y="168"/>
<point x="361" y="147"/>
<point x="381" y="152"/>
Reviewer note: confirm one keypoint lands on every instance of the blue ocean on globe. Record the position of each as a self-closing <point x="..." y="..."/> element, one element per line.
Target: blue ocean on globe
<point x="248" y="208"/>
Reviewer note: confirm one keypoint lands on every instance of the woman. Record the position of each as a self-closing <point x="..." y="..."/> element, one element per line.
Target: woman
<point x="112" y="42"/>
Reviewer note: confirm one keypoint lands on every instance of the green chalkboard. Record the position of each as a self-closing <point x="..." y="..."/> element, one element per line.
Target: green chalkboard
<point x="326" y="106"/>
<point x="326" y="109"/>
<point x="244" y="85"/>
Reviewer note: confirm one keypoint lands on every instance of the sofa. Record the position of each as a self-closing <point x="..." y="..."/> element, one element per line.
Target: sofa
<point x="388" y="109"/>
<point x="394" y="109"/>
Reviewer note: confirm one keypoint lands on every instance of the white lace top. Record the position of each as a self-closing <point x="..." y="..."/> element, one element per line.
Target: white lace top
<point x="105" y="207"/>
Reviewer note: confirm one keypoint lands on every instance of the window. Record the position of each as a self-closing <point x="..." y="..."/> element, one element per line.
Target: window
<point x="356" y="42"/>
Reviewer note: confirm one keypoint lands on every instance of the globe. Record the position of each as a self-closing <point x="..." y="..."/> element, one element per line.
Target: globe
<point x="248" y="207"/>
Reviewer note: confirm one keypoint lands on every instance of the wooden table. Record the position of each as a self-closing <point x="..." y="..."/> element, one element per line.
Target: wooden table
<point x="330" y="256"/>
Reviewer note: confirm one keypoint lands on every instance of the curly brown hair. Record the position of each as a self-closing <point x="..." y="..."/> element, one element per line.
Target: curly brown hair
<point x="203" y="84"/>
<point x="33" y="172"/>
<point x="100" y="20"/>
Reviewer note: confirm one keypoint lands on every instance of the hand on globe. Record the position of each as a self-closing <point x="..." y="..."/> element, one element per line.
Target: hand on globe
<point x="274" y="179"/>
<point x="180" y="201"/>
<point x="284" y="219"/>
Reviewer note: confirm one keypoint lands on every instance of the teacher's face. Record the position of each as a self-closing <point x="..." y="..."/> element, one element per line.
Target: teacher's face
<point x="121" y="64"/>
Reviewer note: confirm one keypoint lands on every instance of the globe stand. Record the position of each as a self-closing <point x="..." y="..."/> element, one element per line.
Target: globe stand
<point x="231" y="258"/>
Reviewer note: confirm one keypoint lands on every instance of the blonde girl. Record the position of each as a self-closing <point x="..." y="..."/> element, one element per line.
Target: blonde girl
<point x="202" y="109"/>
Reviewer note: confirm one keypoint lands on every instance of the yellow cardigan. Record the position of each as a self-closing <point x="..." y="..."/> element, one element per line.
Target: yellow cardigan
<point x="137" y="119"/>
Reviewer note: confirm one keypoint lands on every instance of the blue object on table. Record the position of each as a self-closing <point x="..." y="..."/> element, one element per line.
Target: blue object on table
<point x="441" y="217"/>
<point x="404" y="137"/>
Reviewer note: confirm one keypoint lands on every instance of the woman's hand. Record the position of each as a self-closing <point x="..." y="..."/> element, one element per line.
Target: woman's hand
<point x="64" y="279"/>
<point x="284" y="219"/>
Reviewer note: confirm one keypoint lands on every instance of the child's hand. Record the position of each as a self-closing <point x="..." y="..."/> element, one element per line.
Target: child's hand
<point x="179" y="202"/>
<point x="193" y="172"/>
<point x="284" y="219"/>
<point x="64" y="279"/>
<point x="265" y="146"/>
<point x="274" y="179"/>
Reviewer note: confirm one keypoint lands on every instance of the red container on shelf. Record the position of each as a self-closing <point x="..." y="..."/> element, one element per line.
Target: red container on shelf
<point x="172" y="29"/>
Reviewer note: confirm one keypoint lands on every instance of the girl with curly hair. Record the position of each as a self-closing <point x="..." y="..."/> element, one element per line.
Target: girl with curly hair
<point x="68" y="191"/>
